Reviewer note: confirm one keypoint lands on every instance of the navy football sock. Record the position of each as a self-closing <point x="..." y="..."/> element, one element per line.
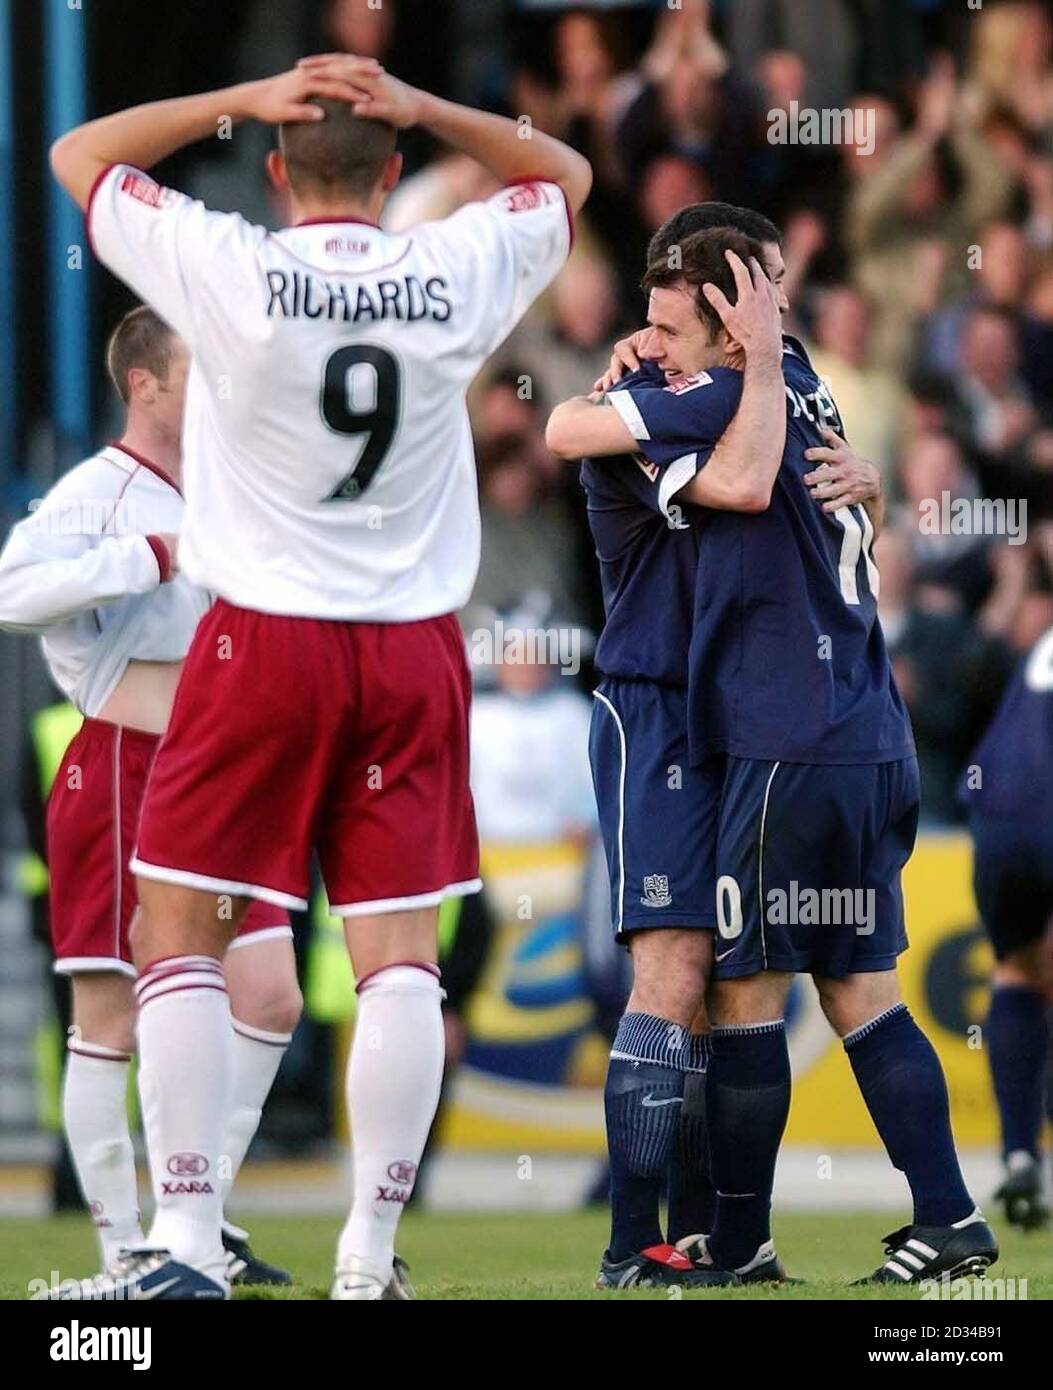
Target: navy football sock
<point x="748" y="1100"/>
<point x="642" y="1099"/>
<point x="1017" y="1039"/>
<point x="692" y="1196"/>
<point x="901" y="1081"/>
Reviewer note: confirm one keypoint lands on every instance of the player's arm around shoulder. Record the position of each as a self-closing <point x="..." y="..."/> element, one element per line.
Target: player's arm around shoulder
<point x="588" y="426"/>
<point x="844" y="477"/>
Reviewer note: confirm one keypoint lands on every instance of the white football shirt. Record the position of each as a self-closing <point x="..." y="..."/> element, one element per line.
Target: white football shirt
<point x="329" y="469"/>
<point x="81" y="572"/>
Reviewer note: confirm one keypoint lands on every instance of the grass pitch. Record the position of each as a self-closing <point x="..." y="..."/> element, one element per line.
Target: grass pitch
<point x="524" y="1256"/>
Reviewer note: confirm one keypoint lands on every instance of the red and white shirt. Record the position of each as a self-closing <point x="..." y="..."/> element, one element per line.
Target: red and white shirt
<point x="86" y="572"/>
<point x="328" y="461"/>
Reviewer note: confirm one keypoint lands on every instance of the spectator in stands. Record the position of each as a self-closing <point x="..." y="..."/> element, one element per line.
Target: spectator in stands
<point x="1002" y="413"/>
<point x="363" y="29"/>
<point x="869" y="399"/>
<point x="1036" y="340"/>
<point x="565" y="352"/>
<point x="508" y="404"/>
<point x="693" y="106"/>
<point x="816" y="27"/>
<point x="950" y="665"/>
<point x="530" y="543"/>
<point x="530" y="768"/>
<point x="912" y="221"/>
<point x="1011" y="67"/>
<point x="1001" y="277"/>
<point x="932" y="468"/>
<point x="669" y="182"/>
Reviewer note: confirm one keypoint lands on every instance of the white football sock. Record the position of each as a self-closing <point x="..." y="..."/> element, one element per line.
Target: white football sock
<point x="394" y="1076"/>
<point x="186" y="1082"/>
<point x="257" y="1057"/>
<point x="95" y="1116"/>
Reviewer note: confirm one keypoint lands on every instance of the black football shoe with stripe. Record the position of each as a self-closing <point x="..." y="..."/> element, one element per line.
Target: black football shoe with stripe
<point x="245" y="1269"/>
<point x="660" y="1267"/>
<point x="764" y="1268"/>
<point x="914" y="1253"/>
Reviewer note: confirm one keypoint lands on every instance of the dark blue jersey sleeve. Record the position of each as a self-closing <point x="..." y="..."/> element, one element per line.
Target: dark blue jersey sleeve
<point x="687" y="413"/>
<point x="677" y="426"/>
<point x="655" y="485"/>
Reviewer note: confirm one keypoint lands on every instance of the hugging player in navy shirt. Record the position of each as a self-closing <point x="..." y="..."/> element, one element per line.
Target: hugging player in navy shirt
<point x="788" y="661"/>
<point x="789" y="678"/>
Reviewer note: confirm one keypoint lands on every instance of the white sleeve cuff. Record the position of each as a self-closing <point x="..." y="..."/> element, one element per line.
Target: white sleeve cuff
<point x="677" y="475"/>
<point x="631" y="417"/>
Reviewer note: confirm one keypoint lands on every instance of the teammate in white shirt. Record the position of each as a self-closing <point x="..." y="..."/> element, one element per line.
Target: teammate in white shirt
<point x="324" y="702"/>
<point x="93" y="570"/>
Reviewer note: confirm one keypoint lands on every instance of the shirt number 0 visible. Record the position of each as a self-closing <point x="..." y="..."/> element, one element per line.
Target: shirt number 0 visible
<point x="361" y="393"/>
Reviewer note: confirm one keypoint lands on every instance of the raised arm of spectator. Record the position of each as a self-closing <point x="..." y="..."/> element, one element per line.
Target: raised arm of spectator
<point x="879" y="199"/>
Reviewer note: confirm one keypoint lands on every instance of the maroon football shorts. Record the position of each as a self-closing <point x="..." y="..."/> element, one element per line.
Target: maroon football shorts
<point x="92" y="819"/>
<point x="291" y="735"/>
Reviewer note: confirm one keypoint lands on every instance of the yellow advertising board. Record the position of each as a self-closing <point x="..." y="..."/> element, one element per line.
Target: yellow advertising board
<point x="535" y="1072"/>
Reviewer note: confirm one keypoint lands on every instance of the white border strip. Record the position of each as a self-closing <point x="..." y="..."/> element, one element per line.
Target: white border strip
<point x="621" y="810"/>
<point x="679" y="473"/>
<point x="432" y="899"/>
<point x="760" y="865"/>
<point x="264" y="934"/>
<point x="629" y="412"/>
<point x="72" y="965"/>
<point x="118" y="856"/>
<point x="186" y="879"/>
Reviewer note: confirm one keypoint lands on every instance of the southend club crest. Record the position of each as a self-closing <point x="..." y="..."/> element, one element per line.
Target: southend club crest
<point x="656" y="891"/>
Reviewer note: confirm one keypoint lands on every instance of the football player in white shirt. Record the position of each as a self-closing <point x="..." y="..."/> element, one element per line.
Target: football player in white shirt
<point x="332" y="508"/>
<point x="93" y="570"/>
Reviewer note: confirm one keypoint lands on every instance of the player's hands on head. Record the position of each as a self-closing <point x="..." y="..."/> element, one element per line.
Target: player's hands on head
<point x="754" y="321"/>
<point x="378" y="95"/>
<point x="288" y="96"/>
<point x="625" y="357"/>
<point x="843" y="476"/>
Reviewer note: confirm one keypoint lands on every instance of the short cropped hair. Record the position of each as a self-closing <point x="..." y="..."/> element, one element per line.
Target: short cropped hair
<point x="344" y="153"/>
<point x="701" y="260"/>
<point x="701" y="217"/>
<point x="141" y="339"/>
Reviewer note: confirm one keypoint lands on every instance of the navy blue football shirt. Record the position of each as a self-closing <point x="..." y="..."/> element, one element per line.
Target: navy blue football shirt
<point x="648" y="562"/>
<point x="1015" y="755"/>
<point x="787" y="658"/>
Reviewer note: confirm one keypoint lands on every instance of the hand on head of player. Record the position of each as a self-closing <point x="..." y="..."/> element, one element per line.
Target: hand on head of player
<point x="754" y="321"/>
<point x="288" y="96"/>
<point x="378" y="95"/>
<point x="625" y="357"/>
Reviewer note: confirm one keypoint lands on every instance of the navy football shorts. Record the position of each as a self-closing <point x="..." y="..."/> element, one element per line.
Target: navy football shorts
<point x="658" y="815"/>
<point x="808" y="866"/>
<point x="1012" y="880"/>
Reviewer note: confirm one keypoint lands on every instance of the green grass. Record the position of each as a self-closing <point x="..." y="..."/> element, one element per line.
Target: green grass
<point x="522" y="1256"/>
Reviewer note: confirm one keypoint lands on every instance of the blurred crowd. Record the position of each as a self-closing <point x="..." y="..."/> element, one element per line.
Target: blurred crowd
<point x="919" y="247"/>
